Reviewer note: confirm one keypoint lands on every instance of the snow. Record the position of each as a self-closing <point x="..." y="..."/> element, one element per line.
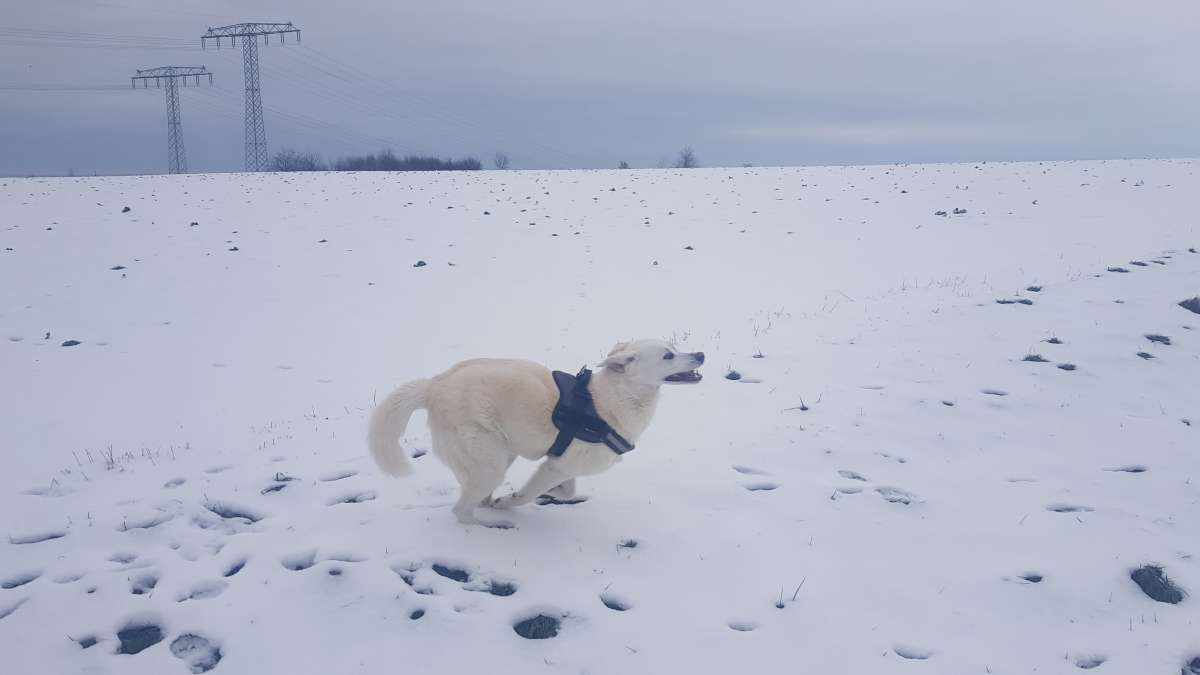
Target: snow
<point x="877" y="494"/>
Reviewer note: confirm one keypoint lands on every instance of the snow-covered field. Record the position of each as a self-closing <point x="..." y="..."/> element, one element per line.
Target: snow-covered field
<point x="890" y="487"/>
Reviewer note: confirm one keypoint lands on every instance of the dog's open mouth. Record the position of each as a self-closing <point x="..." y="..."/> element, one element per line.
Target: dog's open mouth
<point x="689" y="377"/>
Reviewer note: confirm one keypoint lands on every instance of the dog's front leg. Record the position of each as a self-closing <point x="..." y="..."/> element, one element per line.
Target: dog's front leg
<point x="548" y="475"/>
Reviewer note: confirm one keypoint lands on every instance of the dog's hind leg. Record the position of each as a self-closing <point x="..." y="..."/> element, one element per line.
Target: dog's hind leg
<point x="488" y="500"/>
<point x="547" y="476"/>
<point x="564" y="490"/>
<point x="479" y="467"/>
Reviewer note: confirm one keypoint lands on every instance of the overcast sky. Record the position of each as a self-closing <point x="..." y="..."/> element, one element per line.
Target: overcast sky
<point x="574" y="84"/>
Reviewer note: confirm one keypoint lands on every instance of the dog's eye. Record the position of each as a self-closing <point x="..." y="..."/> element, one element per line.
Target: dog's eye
<point x="668" y="356"/>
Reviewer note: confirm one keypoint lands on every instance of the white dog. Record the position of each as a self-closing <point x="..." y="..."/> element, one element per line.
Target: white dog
<point x="485" y="413"/>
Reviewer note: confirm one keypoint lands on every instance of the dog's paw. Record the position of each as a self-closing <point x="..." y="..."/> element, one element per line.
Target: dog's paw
<point x="504" y="502"/>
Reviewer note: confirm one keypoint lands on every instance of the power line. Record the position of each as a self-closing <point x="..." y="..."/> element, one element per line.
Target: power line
<point x="62" y="87"/>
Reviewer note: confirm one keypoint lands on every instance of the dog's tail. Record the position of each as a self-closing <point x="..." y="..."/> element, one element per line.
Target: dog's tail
<point x="388" y="423"/>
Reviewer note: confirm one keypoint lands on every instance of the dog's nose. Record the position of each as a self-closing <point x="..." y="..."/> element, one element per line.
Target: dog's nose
<point x="699" y="356"/>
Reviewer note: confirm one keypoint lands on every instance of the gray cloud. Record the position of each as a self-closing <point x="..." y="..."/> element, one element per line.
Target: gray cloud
<point x="588" y="85"/>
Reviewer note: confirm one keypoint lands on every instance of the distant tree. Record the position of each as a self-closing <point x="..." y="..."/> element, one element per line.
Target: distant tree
<point x="686" y="159"/>
<point x="388" y="161"/>
<point x="291" y="160"/>
<point x="623" y="165"/>
<point x="501" y="161"/>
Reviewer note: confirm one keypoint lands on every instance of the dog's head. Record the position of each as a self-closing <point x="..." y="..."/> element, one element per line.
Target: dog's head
<point x="654" y="362"/>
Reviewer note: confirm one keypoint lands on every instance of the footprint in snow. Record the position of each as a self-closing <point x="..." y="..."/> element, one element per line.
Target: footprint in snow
<point x="1158" y="339"/>
<point x="232" y="512"/>
<point x="994" y="392"/>
<point x="913" y="653"/>
<point x="852" y="475"/>
<point x="300" y="561"/>
<point x="461" y="575"/>
<point x="1090" y="661"/>
<point x="749" y="471"/>
<point x="7" y="610"/>
<point x="1068" y="508"/>
<point x="896" y="495"/>
<point x="337" y="475"/>
<point x="615" y="602"/>
<point x="203" y="591"/>
<point x="200" y="653"/>
<point x="36" y="537"/>
<point x="408" y="574"/>
<point x="235" y="567"/>
<point x="218" y="469"/>
<point x="1129" y="468"/>
<point x="55" y="489"/>
<point x="742" y="625"/>
<point x="143" y="584"/>
<point x="149" y="522"/>
<point x="19" y="580"/>
<point x="760" y="486"/>
<point x="352" y="498"/>
<point x="551" y="500"/>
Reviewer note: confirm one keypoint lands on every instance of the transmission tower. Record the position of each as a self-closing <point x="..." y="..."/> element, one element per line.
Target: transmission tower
<point x="256" y="133"/>
<point x="169" y="77"/>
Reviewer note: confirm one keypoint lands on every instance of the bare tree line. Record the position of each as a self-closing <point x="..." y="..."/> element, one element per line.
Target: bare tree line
<point x="288" y="160"/>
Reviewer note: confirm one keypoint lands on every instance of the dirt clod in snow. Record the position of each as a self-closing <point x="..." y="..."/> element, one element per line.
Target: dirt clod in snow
<point x="138" y="637"/>
<point x="540" y="627"/>
<point x="1154" y="582"/>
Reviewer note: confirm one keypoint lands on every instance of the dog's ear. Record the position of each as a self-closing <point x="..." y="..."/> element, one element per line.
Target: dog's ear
<point x="619" y="347"/>
<point x="618" y="358"/>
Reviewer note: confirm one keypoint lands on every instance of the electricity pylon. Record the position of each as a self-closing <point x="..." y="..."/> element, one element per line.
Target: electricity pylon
<point x="172" y="76"/>
<point x="256" y="133"/>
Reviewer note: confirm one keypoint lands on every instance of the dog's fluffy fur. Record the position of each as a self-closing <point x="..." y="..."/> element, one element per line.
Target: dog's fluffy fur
<point x="485" y="413"/>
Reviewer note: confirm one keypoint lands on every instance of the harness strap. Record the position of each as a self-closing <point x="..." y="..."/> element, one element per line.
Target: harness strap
<point x="576" y="417"/>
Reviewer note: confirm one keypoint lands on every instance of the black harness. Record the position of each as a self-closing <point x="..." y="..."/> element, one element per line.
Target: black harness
<point x="575" y="416"/>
